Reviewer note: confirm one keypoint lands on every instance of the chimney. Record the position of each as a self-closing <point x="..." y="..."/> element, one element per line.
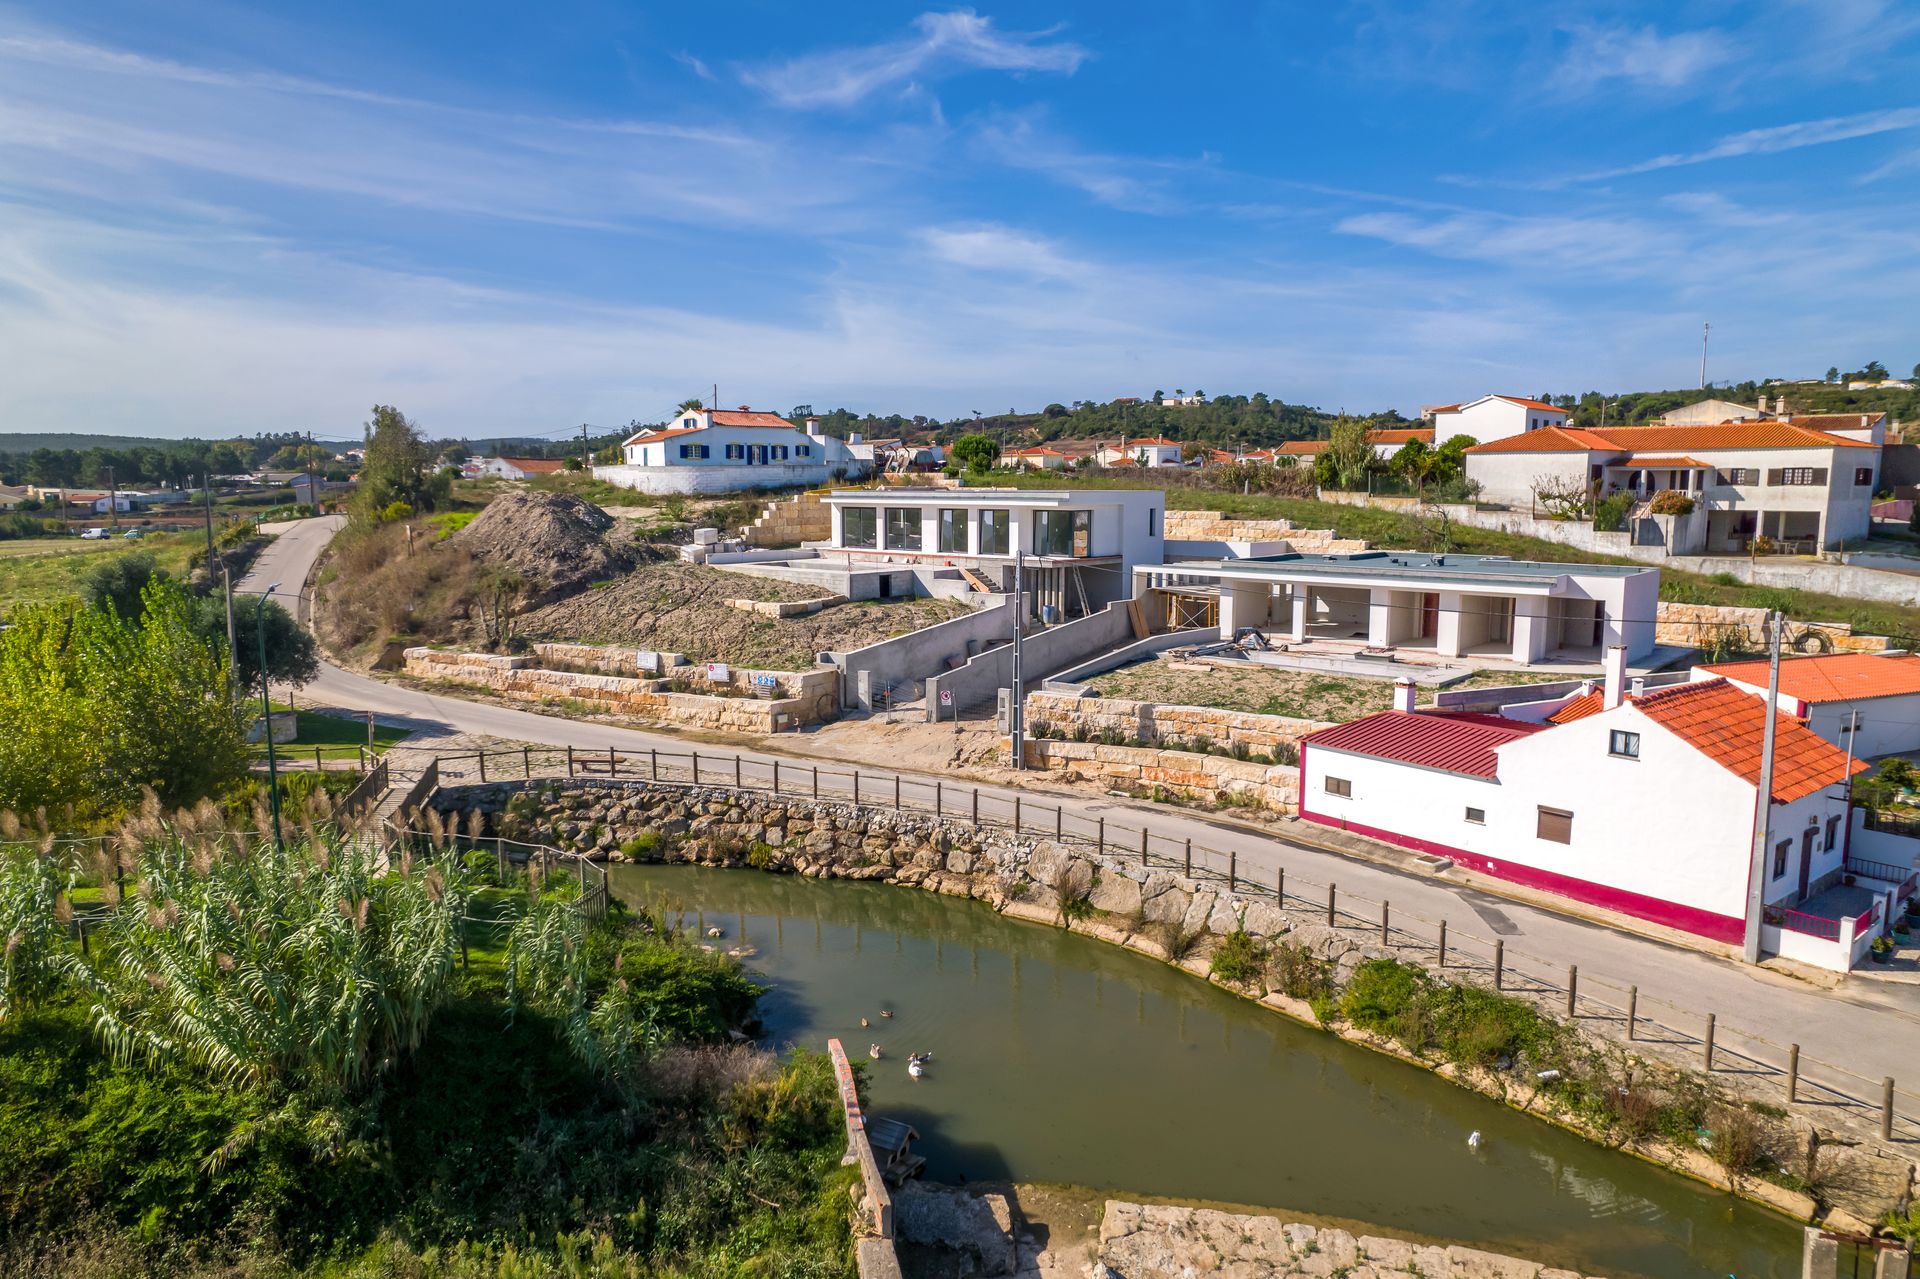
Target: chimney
<point x="1638" y="688"/>
<point x="813" y="427"/>
<point x="1760" y="406"/>
<point x="1615" y="664"/>
<point x="1779" y="406"/>
<point x="1403" y="695"/>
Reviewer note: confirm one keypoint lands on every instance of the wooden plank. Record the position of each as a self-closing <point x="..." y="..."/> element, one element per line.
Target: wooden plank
<point x="976" y="581"/>
<point x="1138" y="616"/>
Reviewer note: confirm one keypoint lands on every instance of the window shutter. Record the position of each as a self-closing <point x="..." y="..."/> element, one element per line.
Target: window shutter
<point x="1555" y="825"/>
<point x="1819" y="475"/>
<point x="1773" y="476"/>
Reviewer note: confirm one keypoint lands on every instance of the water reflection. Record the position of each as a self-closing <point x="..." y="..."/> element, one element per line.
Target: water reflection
<point x="1040" y="1072"/>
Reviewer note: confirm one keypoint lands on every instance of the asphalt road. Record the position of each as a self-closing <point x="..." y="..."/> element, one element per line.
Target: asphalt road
<point x="1871" y="1028"/>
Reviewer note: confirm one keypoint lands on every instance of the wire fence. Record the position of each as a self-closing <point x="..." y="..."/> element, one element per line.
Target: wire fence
<point x="1619" y="1010"/>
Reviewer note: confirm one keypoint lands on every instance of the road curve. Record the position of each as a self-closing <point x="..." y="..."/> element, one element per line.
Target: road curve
<point x="1871" y="1028"/>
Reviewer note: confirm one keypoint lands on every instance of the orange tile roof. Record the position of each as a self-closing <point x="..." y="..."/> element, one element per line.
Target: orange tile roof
<point x="1402" y="435"/>
<point x="1035" y="452"/>
<point x="747" y="417"/>
<point x="1681" y="463"/>
<point x="1511" y="399"/>
<point x="1728" y="725"/>
<point x="1165" y="443"/>
<point x="1585" y="704"/>
<point x="535" y="465"/>
<point x="1837" y="677"/>
<point x="1302" y="448"/>
<point x="1626" y="439"/>
<point x="1836" y="421"/>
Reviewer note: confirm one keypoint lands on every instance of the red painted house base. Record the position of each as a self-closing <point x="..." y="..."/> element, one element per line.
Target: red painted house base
<point x="1687" y="919"/>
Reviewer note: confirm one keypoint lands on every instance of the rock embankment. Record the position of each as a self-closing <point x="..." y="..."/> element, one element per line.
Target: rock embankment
<point x="1153" y="1241"/>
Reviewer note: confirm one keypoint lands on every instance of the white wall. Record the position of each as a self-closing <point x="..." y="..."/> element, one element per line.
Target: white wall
<point x="1887" y="725"/>
<point x="1508" y="477"/>
<point x="721" y="478"/>
<point x="1492" y="419"/>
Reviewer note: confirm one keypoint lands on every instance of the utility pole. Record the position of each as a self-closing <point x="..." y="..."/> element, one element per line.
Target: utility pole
<point x="266" y="709"/>
<point x="586" y="454"/>
<point x="1705" y="329"/>
<point x="233" y="644"/>
<point x="113" y="500"/>
<point x="313" y="492"/>
<point x="1763" y="798"/>
<point x="208" y="485"/>
<point x="1017" y="715"/>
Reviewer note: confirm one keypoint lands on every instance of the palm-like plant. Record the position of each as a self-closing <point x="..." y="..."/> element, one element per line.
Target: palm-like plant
<point x="308" y="966"/>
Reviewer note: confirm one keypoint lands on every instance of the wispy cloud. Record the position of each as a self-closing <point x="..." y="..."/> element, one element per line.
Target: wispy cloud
<point x="1768" y="141"/>
<point x="1643" y="56"/>
<point x="941" y="44"/>
<point x="694" y="65"/>
<point x="1138" y="184"/>
<point x="1563" y="244"/>
<point x="999" y="248"/>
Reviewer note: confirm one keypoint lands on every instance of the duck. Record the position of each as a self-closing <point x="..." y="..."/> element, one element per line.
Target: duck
<point x="914" y="1068"/>
<point x="887" y="1013"/>
<point x="713" y="932"/>
<point x="864" y="1023"/>
<point x="873" y="1051"/>
<point x="1473" y="1139"/>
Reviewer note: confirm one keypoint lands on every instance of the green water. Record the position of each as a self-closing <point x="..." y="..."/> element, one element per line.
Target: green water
<point x="1058" y="1058"/>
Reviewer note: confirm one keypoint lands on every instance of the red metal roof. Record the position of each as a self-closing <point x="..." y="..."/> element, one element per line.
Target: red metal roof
<point x="1838" y="677"/>
<point x="1728" y="726"/>
<point x="1456" y="743"/>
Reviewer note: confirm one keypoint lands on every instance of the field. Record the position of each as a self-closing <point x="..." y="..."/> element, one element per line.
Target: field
<point x="337" y="737"/>
<point x="1299" y="694"/>
<point x="49" y="568"/>
<point x="1395" y="529"/>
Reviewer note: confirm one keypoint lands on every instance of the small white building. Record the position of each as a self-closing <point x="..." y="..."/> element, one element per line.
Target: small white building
<point x="1794" y="484"/>
<point x="1386" y="442"/>
<point x="1641" y="804"/>
<point x="1034" y="459"/>
<point x="1153" y="452"/>
<point x="1080" y="547"/>
<point x="1494" y="417"/>
<point x="1868" y="703"/>
<point x="729" y="451"/>
<point x="1449" y="606"/>
<point x="514" y="468"/>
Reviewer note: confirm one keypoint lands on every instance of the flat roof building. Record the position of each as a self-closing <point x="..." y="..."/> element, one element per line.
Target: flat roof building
<point x="1449" y="605"/>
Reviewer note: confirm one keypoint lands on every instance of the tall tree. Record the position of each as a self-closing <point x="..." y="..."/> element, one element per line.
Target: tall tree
<point x="397" y="464"/>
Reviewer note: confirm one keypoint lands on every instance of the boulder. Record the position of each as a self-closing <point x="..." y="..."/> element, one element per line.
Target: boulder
<point x="1116" y="893"/>
<point x="980" y="1227"/>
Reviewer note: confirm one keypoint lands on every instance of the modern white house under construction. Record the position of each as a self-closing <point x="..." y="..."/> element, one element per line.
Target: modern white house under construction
<point x="1080" y="547"/>
<point x="1445" y="605"/>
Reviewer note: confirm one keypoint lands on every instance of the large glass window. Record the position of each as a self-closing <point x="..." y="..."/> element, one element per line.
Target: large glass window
<point x="1064" y="533"/>
<point x="903" y="528"/>
<point x="953" y="531"/>
<point x="995" y="533"/>
<point x="857" y="527"/>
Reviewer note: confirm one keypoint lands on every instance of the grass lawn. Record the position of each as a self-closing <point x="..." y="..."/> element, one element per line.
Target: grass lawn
<point x="1298" y="694"/>
<point x="1394" y="529"/>
<point x="337" y="736"/>
<point x="37" y="569"/>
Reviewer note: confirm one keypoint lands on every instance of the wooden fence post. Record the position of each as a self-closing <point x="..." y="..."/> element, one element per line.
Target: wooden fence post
<point x="1443" y="943"/>
<point x="317" y="765"/>
<point x="856" y="788"/>
<point x="526" y="761"/>
<point x="1100" y="837"/>
<point x="613" y="763"/>
<point x="1793" y="1073"/>
<point x="1059" y="821"/>
<point x="1706" y="1043"/>
<point x="976" y="806"/>
<point x="1499" y="964"/>
<point x="653" y="763"/>
<point x="480" y="755"/>
<point x="896" y="792"/>
<point x="569" y="761"/>
<point x="1633" y="1008"/>
<point x="1016" y="814"/>
<point x="1573" y="987"/>
<point x="1333" y="896"/>
<point x="1233" y="870"/>
<point x="736" y="771"/>
<point x="776" y="777"/>
<point x="816" y="781"/>
<point x="1143" y="848"/>
<point x="1386" y="928"/>
<point x="1188" y="872"/>
<point x="1280" y="888"/>
<point x="1886" y="1109"/>
<point x="696" y="767"/>
<point x="938" y="799"/>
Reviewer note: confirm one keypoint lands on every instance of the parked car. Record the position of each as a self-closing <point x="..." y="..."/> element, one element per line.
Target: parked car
<point x="132" y="532"/>
<point x="94" y="535"/>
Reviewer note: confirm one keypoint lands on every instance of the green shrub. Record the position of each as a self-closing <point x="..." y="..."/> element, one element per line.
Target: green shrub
<point x="1298" y="973"/>
<point x="1610" y="514"/>
<point x="1240" y="959"/>
<point x="645" y="846"/>
<point x="1379" y="991"/>
<point x="760" y="854"/>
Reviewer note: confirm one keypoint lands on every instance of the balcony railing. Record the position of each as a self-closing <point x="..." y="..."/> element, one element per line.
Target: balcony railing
<point x="1812" y="925"/>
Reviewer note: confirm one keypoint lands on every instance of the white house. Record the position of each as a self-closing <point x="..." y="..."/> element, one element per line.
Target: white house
<point x="1640" y="804"/>
<point x="728" y="451"/>
<point x="1080" y="547"/>
<point x="1034" y="459"/>
<point x="1386" y="442"/>
<point x="1868" y="703"/>
<point x="1447" y="605"/>
<point x="1792" y="483"/>
<point x="1153" y="452"/>
<point x="1494" y="417"/>
<point x="515" y="468"/>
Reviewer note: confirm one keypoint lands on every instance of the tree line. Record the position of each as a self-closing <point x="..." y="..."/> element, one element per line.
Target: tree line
<point x="174" y="466"/>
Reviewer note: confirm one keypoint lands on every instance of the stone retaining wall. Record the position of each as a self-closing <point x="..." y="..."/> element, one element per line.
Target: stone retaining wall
<point x="1212" y="526"/>
<point x="1140" y="769"/>
<point x="1138" y="1240"/>
<point x="519" y="677"/>
<point x="1697" y="625"/>
<point x="787" y="608"/>
<point x="1159" y="722"/>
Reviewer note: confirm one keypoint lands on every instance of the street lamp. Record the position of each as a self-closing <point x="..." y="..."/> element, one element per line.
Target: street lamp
<point x="266" y="708"/>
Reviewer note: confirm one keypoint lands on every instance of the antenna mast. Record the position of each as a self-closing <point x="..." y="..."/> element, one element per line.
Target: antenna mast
<point x="1705" y="329"/>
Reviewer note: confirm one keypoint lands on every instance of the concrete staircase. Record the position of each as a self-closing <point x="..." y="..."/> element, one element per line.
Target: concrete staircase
<point x="790" y="521"/>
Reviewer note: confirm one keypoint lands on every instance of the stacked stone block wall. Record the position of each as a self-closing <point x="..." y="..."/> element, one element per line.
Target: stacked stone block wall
<point x="1212" y="526"/>
<point x="1698" y="625"/>
<point x="791" y="521"/>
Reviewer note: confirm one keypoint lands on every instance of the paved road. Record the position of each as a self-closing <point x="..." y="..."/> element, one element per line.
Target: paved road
<point x="1871" y="1028"/>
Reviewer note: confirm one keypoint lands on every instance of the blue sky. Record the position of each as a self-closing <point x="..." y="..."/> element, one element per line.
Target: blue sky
<point x="224" y="218"/>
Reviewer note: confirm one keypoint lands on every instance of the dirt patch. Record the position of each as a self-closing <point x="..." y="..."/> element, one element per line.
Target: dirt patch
<point x="682" y="608"/>
<point x="1300" y="694"/>
<point x="556" y="542"/>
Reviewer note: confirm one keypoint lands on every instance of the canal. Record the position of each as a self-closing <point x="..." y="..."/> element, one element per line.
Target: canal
<point x="1058" y="1058"/>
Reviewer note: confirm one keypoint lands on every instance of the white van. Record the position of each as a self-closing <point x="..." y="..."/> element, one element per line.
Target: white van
<point x="94" y="535"/>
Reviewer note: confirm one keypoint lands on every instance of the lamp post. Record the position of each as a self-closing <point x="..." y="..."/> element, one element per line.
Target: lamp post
<point x="266" y="708"/>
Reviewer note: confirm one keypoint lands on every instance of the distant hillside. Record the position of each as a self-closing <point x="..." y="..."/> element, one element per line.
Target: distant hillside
<point x="28" y="441"/>
<point x="1592" y="408"/>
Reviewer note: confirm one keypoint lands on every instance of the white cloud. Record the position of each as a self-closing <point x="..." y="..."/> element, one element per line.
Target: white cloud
<point x="942" y="44"/>
<point x="1547" y="242"/>
<point x="1643" y="56"/>
<point x="999" y="248"/>
<point x="1134" y="183"/>
<point x="695" y="65"/>
<point x="1770" y="141"/>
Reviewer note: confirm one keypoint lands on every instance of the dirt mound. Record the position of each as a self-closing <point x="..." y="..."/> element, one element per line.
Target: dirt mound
<point x="556" y="541"/>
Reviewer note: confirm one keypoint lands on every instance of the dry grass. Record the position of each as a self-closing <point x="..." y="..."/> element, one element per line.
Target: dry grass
<point x="1261" y="691"/>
